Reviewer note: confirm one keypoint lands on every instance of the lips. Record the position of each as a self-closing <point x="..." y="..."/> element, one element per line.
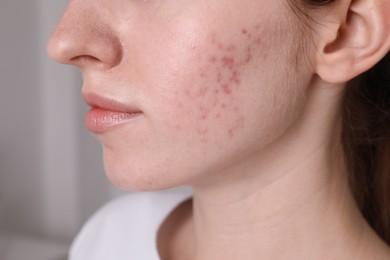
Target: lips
<point x="106" y="114"/>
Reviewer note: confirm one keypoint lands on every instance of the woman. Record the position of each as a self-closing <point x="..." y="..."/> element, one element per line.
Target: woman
<point x="258" y="105"/>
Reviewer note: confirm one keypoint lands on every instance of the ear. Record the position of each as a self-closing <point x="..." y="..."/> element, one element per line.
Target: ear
<point x="356" y="38"/>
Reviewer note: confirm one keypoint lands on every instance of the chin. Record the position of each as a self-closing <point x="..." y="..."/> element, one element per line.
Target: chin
<point x="134" y="176"/>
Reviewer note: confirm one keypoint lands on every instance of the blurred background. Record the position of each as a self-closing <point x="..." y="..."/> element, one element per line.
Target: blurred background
<point x="51" y="173"/>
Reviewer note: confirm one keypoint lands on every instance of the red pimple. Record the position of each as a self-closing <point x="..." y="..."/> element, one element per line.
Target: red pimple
<point x="228" y="62"/>
<point x="213" y="59"/>
<point x="226" y="89"/>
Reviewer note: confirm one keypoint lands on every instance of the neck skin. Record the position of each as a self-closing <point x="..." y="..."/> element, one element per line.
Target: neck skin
<point x="292" y="202"/>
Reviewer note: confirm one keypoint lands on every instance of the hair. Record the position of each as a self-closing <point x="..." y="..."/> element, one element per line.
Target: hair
<point x="365" y="132"/>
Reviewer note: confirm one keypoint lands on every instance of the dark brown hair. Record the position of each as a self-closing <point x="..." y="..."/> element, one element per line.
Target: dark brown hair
<point x="365" y="134"/>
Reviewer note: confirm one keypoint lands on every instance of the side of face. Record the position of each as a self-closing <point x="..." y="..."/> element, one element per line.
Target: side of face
<point x="216" y="82"/>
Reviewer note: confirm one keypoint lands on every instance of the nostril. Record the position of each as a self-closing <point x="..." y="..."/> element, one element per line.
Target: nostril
<point x="84" y="59"/>
<point x="89" y="61"/>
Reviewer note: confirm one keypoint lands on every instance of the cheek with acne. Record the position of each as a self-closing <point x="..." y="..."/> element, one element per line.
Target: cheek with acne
<point x="213" y="96"/>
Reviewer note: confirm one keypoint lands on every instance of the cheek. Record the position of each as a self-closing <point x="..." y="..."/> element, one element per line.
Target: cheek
<point x="211" y="96"/>
<point x="209" y="89"/>
<point x="220" y="89"/>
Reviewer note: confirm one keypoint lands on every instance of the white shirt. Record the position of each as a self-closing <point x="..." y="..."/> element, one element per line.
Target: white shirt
<point x="126" y="228"/>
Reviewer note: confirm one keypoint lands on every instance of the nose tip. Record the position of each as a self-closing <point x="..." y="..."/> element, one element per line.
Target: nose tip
<point x="84" y="40"/>
<point x="59" y="49"/>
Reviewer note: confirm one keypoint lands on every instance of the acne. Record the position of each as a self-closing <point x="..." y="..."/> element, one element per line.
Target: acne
<point x="222" y="77"/>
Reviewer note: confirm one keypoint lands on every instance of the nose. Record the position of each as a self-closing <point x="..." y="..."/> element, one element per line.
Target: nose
<point x="85" y="38"/>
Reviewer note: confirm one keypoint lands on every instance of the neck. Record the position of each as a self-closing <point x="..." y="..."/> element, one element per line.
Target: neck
<point x="290" y="201"/>
<point x="294" y="217"/>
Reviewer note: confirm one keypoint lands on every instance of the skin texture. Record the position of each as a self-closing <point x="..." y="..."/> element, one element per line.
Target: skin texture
<point x="238" y="105"/>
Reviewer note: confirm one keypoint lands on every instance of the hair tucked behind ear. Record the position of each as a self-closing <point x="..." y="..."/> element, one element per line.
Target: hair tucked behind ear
<point x="366" y="134"/>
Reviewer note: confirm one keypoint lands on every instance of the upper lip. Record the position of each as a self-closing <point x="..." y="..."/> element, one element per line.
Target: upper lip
<point x="98" y="101"/>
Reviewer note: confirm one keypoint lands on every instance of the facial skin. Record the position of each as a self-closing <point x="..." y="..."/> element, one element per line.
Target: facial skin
<point x="232" y="106"/>
<point x="216" y="83"/>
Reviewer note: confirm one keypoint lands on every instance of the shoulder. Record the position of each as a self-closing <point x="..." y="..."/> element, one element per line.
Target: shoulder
<point x="125" y="224"/>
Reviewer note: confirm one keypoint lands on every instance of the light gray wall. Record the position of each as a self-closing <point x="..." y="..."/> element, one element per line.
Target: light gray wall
<point x="20" y="122"/>
<point x="51" y="175"/>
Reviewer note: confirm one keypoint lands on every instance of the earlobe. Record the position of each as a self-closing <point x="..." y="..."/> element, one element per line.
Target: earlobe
<point x="359" y="42"/>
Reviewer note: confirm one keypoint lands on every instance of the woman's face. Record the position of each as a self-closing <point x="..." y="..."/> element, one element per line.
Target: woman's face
<point x="213" y="82"/>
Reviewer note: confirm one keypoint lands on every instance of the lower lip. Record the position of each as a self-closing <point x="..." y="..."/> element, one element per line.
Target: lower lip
<point x="100" y="120"/>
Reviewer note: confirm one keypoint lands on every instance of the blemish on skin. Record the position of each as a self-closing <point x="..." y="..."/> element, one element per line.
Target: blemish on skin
<point x="245" y="32"/>
<point x="231" y="132"/>
<point x="213" y="59"/>
<point x="227" y="62"/>
<point x="239" y="124"/>
<point x="226" y="89"/>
